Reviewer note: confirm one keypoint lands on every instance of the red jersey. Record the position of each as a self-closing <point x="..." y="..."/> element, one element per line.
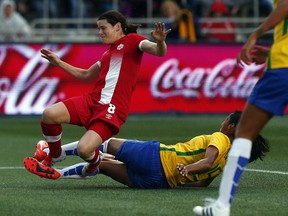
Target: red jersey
<point x="119" y="68"/>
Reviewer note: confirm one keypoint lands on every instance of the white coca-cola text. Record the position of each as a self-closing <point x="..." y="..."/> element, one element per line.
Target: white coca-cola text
<point x="169" y="80"/>
<point x="30" y="92"/>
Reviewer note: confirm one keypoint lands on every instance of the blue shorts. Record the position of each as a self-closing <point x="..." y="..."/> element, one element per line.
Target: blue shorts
<point x="271" y="91"/>
<point x="143" y="163"/>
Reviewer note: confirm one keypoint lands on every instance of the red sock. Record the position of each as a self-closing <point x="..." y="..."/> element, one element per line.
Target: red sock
<point x="52" y="134"/>
<point x="95" y="158"/>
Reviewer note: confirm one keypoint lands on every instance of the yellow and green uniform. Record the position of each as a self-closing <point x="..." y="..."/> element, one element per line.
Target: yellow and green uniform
<point x="279" y="51"/>
<point x="190" y="152"/>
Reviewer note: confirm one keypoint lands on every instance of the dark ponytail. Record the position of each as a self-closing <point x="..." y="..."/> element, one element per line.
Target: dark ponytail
<point x="114" y="17"/>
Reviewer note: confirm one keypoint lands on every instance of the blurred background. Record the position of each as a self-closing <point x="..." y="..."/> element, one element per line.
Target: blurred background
<point x="199" y="74"/>
<point x="75" y="20"/>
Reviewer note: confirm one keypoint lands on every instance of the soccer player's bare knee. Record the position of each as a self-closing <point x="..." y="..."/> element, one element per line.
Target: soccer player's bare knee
<point x="49" y="116"/>
<point x="84" y="151"/>
<point x="55" y="114"/>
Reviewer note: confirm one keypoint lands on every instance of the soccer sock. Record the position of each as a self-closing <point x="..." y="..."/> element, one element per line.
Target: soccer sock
<point x="75" y="171"/>
<point x="52" y="134"/>
<point x="71" y="148"/>
<point x="94" y="159"/>
<point x="104" y="146"/>
<point x="238" y="158"/>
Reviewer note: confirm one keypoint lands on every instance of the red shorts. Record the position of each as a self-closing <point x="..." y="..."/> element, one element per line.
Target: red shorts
<point x="102" y="119"/>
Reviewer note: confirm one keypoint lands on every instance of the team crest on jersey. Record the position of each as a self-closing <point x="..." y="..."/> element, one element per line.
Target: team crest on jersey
<point x="120" y="46"/>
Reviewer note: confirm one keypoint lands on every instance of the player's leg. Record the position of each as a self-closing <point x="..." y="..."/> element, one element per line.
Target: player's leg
<point x="251" y="123"/>
<point x="113" y="145"/>
<point x="88" y="146"/>
<point x="52" y="118"/>
<point x="70" y="149"/>
<point x="88" y="150"/>
<point x="75" y="172"/>
<point x="112" y="168"/>
<point x="42" y="150"/>
<point x="116" y="170"/>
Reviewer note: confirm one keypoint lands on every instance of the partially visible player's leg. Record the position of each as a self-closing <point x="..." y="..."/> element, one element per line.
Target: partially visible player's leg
<point x="88" y="146"/>
<point x="89" y="152"/>
<point x="75" y="172"/>
<point x="42" y="150"/>
<point x="70" y="149"/>
<point x="113" y="145"/>
<point x="252" y="121"/>
<point x="52" y="118"/>
<point x="117" y="171"/>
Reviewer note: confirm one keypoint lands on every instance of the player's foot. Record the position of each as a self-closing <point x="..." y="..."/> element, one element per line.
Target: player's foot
<point x="213" y="209"/>
<point x="90" y="168"/>
<point x="40" y="153"/>
<point x="37" y="168"/>
<point x="49" y="161"/>
<point x="75" y="172"/>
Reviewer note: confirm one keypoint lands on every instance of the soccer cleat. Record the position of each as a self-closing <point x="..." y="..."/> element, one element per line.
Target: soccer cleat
<point x="40" y="153"/>
<point x="37" y="168"/>
<point x="90" y="168"/>
<point x="213" y="209"/>
<point x="49" y="161"/>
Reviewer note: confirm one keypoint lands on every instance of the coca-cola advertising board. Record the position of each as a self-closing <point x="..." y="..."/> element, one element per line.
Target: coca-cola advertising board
<point x="191" y="78"/>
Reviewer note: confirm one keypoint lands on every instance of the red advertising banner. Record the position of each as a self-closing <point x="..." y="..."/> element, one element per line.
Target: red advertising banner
<point x="192" y="78"/>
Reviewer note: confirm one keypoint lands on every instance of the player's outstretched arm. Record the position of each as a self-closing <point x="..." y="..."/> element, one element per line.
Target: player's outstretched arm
<point x="159" y="34"/>
<point x="78" y="73"/>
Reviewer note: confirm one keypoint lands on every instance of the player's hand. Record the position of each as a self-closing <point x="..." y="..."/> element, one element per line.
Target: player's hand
<point x="159" y="33"/>
<point x="182" y="169"/>
<point x="244" y="57"/>
<point x="50" y="56"/>
<point x="259" y="54"/>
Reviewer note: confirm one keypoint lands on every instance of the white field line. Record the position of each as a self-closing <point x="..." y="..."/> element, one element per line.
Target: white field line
<point x="268" y="171"/>
<point x="249" y="170"/>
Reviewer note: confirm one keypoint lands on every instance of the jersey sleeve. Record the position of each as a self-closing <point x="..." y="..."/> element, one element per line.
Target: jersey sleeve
<point x="137" y="39"/>
<point x="221" y="142"/>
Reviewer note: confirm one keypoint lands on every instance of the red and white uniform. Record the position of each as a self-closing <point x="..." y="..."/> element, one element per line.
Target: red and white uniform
<point x="110" y="99"/>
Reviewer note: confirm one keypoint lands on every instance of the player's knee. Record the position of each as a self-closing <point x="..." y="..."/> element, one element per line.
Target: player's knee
<point x="85" y="152"/>
<point x="49" y="116"/>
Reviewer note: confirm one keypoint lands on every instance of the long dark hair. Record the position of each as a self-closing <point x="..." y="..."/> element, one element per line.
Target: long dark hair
<point x="114" y="17"/>
<point x="260" y="145"/>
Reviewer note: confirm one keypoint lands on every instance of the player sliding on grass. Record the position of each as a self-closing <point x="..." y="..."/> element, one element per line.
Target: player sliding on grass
<point x="151" y="164"/>
<point x="105" y="109"/>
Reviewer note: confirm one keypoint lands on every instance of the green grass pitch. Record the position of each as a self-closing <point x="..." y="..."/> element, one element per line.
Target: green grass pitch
<point x="21" y="193"/>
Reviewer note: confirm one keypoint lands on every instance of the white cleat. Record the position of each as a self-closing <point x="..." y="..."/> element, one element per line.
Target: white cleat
<point x="213" y="209"/>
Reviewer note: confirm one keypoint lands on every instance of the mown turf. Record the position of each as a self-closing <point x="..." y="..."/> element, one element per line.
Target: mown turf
<point x="22" y="193"/>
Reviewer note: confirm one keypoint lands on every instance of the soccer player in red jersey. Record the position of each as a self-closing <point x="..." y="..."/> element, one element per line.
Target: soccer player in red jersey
<point x="103" y="110"/>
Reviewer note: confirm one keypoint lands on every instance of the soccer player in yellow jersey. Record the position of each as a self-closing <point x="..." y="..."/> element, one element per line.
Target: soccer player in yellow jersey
<point x="268" y="98"/>
<point x="151" y="164"/>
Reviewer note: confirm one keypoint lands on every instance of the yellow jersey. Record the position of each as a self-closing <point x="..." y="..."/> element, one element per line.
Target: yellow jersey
<point x="278" y="55"/>
<point x="190" y="152"/>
